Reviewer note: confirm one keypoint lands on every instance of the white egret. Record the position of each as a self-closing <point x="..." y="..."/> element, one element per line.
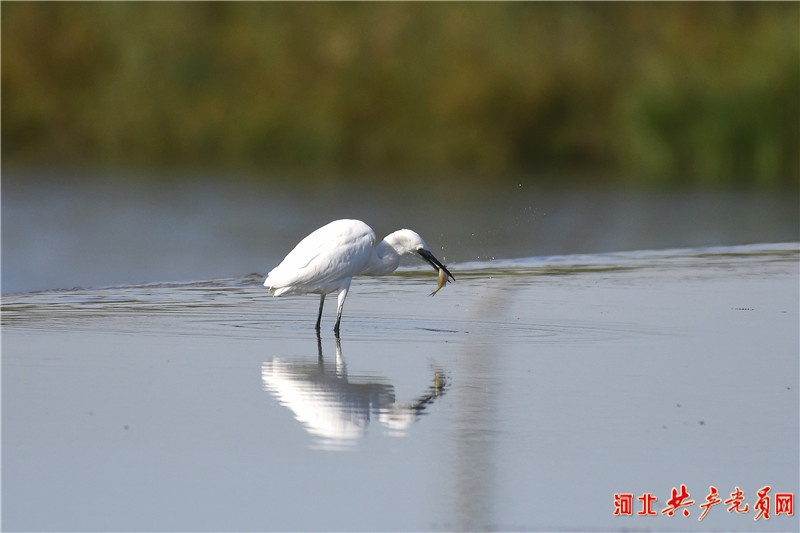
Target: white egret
<point x="326" y="261"/>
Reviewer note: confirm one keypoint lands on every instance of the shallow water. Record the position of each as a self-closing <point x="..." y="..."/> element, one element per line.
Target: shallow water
<point x="524" y="396"/>
<point x="66" y="231"/>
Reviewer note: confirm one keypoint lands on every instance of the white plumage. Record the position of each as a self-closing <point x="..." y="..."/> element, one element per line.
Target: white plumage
<point x="327" y="259"/>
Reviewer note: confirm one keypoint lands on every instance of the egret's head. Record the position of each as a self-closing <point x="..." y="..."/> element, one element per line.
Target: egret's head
<point x="406" y="241"/>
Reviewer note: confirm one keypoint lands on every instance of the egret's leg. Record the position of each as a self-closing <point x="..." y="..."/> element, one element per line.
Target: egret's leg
<point x="342" y="296"/>
<point x="319" y="316"/>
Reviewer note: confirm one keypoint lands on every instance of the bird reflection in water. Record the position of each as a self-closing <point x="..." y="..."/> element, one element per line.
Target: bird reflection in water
<point x="336" y="408"/>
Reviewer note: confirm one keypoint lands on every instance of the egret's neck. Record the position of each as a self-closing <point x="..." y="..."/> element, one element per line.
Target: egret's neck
<point x="384" y="260"/>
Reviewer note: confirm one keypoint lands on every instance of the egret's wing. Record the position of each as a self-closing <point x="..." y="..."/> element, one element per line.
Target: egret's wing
<point x="335" y="251"/>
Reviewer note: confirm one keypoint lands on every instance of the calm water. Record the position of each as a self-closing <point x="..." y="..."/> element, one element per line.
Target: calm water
<point x="521" y="397"/>
<point x="62" y="232"/>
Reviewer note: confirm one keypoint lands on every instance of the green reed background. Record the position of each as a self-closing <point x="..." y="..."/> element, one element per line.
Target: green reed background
<point x="666" y="94"/>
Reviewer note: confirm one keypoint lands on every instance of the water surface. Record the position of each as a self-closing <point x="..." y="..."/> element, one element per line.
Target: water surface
<point x="66" y="231"/>
<point x="521" y="397"/>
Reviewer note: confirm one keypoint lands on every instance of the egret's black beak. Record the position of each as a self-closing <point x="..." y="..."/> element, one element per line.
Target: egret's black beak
<point x="435" y="263"/>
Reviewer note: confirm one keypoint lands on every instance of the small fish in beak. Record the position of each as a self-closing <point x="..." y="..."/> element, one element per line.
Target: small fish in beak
<point x="442" y="281"/>
<point x="444" y="274"/>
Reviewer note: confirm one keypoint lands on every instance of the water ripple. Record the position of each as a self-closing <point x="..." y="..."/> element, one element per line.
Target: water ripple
<point x="472" y="309"/>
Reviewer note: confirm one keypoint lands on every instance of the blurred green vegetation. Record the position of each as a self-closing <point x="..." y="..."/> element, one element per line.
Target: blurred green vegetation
<point x="666" y="94"/>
